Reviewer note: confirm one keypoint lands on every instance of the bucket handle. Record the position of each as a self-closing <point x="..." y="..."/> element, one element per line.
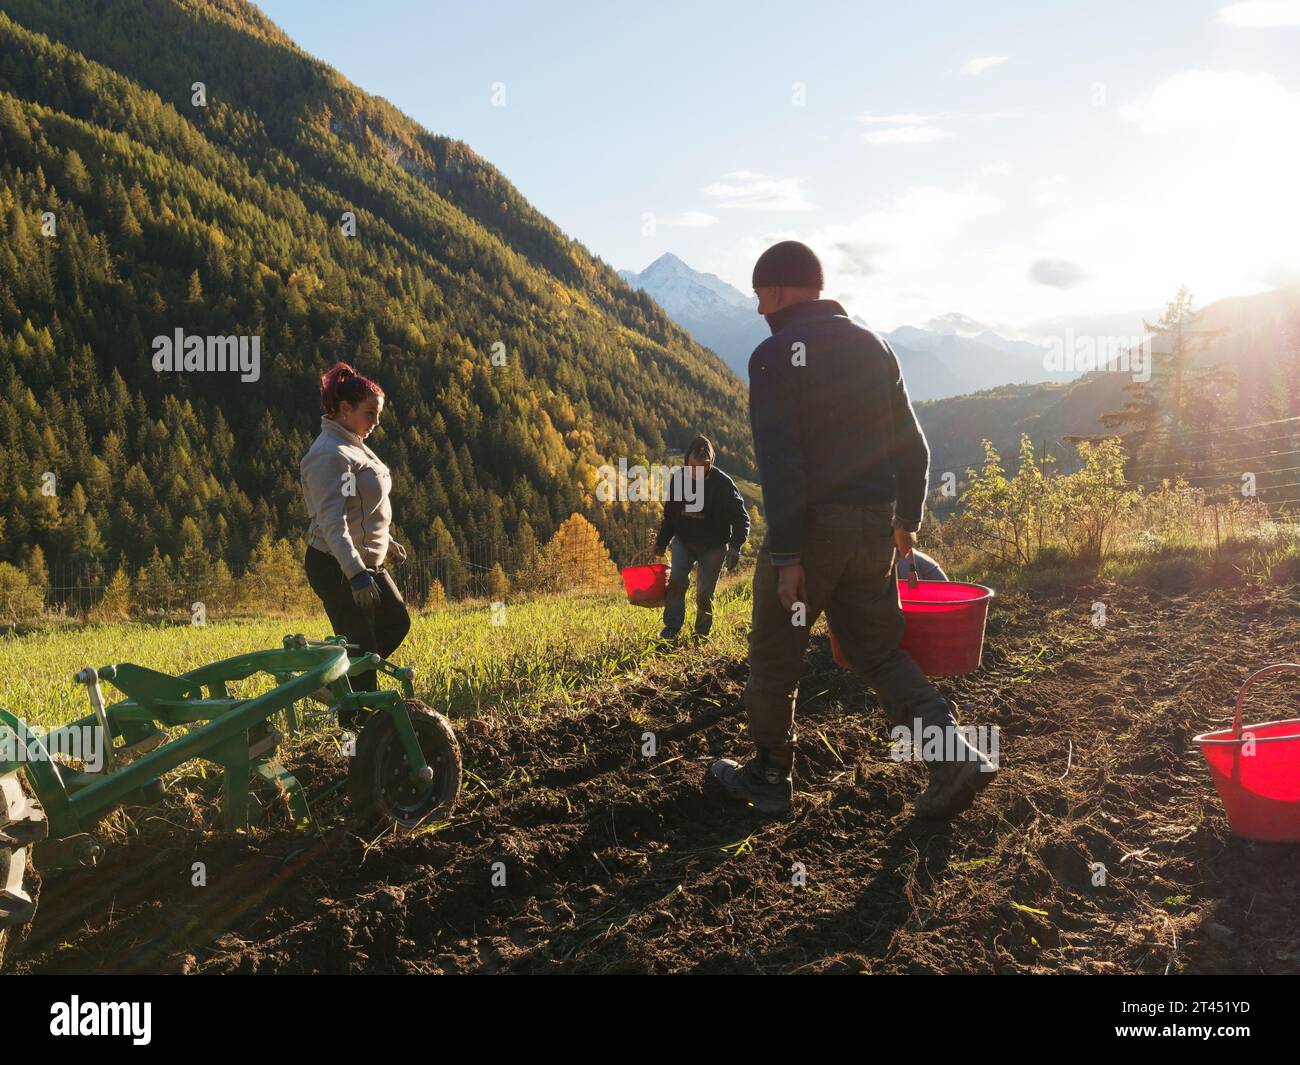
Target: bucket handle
<point x="1279" y="667"/>
<point x="911" y="569"/>
<point x="645" y="552"/>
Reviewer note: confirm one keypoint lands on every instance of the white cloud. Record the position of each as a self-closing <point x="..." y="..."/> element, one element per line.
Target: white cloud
<point x="983" y="63"/>
<point x="897" y="120"/>
<point x="883" y="260"/>
<point x="1223" y="102"/>
<point x="1208" y="198"/>
<point x="689" y="219"/>
<point x="748" y="190"/>
<point x="906" y="234"/>
<point x="1057" y="273"/>
<point x="905" y="135"/>
<point x="1049" y="191"/>
<point x="902" y="129"/>
<point x="1258" y="14"/>
<point x="1195" y="185"/>
<point x="997" y="168"/>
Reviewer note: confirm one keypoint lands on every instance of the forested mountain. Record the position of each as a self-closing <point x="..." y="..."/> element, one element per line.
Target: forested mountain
<point x="130" y="207"/>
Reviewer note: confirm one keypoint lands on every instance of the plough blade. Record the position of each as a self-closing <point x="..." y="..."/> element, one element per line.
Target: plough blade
<point x="22" y="823"/>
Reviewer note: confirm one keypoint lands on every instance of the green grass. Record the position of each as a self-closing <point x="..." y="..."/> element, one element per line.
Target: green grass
<point x="1269" y="556"/>
<point x="546" y="649"/>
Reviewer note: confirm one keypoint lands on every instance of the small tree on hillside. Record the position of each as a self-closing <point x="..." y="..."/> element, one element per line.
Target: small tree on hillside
<point x="1184" y="392"/>
<point x="19" y="601"/>
<point x="154" y="589"/>
<point x="224" y="594"/>
<point x="998" y="518"/>
<point x="576" y="557"/>
<point x="194" y="567"/>
<point x="38" y="576"/>
<point x="1096" y="497"/>
<point x="527" y="562"/>
<point x="436" y="596"/>
<point x="115" y="605"/>
<point x="1009" y="518"/>
<point x="275" y="580"/>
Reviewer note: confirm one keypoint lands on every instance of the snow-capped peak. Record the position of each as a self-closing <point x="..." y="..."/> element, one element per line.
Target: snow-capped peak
<point x="671" y="281"/>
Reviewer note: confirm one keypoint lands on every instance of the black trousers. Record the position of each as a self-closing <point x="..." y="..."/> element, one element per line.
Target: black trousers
<point x="381" y="631"/>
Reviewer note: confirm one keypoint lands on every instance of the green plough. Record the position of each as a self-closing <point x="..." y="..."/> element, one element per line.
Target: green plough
<point x="405" y="769"/>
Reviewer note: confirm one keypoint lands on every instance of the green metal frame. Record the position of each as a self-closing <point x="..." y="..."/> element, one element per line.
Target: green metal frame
<point x="237" y="734"/>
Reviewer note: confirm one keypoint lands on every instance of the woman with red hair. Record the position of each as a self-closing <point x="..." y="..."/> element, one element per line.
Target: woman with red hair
<point x="345" y="487"/>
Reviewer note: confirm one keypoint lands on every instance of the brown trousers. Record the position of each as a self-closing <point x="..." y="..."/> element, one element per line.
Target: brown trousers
<point x="848" y="560"/>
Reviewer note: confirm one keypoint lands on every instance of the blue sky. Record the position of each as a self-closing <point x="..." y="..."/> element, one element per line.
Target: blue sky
<point x="1010" y="161"/>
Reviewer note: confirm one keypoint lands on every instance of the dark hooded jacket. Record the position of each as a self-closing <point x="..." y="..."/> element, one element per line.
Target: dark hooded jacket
<point x="722" y="520"/>
<point x="832" y="423"/>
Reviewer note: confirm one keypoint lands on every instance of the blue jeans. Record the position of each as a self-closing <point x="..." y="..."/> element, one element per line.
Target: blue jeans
<point x="684" y="558"/>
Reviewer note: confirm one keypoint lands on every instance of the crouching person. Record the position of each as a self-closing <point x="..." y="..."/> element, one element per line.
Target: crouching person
<point x="707" y="531"/>
<point x="844" y="467"/>
<point x="927" y="569"/>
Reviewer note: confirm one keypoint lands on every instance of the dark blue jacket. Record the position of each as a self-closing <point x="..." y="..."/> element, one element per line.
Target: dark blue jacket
<point x="832" y="423"/>
<point x="722" y="519"/>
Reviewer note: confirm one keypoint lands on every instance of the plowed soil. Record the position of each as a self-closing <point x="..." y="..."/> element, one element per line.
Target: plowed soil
<point x="1101" y="847"/>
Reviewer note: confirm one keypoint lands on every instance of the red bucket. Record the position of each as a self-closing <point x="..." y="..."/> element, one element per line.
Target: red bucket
<point x="646" y="585"/>
<point x="944" y="622"/>
<point x="1257" y="771"/>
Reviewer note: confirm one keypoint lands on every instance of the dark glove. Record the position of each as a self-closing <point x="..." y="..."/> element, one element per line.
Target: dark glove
<point x="733" y="559"/>
<point x="365" y="591"/>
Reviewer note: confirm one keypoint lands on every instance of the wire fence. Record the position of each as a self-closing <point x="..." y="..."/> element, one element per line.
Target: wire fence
<point x="573" y="560"/>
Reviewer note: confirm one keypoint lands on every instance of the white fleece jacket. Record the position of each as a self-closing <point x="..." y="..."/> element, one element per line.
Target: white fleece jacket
<point x="346" y="487"/>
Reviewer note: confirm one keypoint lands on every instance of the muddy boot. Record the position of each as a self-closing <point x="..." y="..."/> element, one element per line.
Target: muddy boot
<point x="768" y="787"/>
<point x="954" y="784"/>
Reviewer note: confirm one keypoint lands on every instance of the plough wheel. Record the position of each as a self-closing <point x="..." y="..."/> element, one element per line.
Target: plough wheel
<point x="22" y="823"/>
<point x="379" y="784"/>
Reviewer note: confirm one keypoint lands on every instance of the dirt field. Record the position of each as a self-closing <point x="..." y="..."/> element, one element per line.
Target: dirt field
<point x="615" y="862"/>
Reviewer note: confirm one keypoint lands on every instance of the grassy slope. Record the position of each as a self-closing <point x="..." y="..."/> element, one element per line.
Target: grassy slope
<point x="464" y="663"/>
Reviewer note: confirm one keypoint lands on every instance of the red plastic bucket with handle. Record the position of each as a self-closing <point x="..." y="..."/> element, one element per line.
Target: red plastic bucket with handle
<point x="1256" y="770"/>
<point x="944" y="625"/>
<point x="646" y="585"/>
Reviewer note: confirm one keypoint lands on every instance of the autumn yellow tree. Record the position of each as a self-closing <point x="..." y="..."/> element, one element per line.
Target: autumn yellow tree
<point x="274" y="579"/>
<point x="116" y="602"/>
<point x="19" y="601"/>
<point x="576" y="557"/>
<point x="498" y="584"/>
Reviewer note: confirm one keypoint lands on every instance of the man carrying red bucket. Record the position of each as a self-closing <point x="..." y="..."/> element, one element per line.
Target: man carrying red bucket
<point x="844" y="468"/>
<point x="705" y="532"/>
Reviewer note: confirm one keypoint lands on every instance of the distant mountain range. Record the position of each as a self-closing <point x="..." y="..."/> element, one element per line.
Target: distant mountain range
<point x="713" y="312"/>
<point x="971" y="383"/>
<point x="950" y="356"/>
